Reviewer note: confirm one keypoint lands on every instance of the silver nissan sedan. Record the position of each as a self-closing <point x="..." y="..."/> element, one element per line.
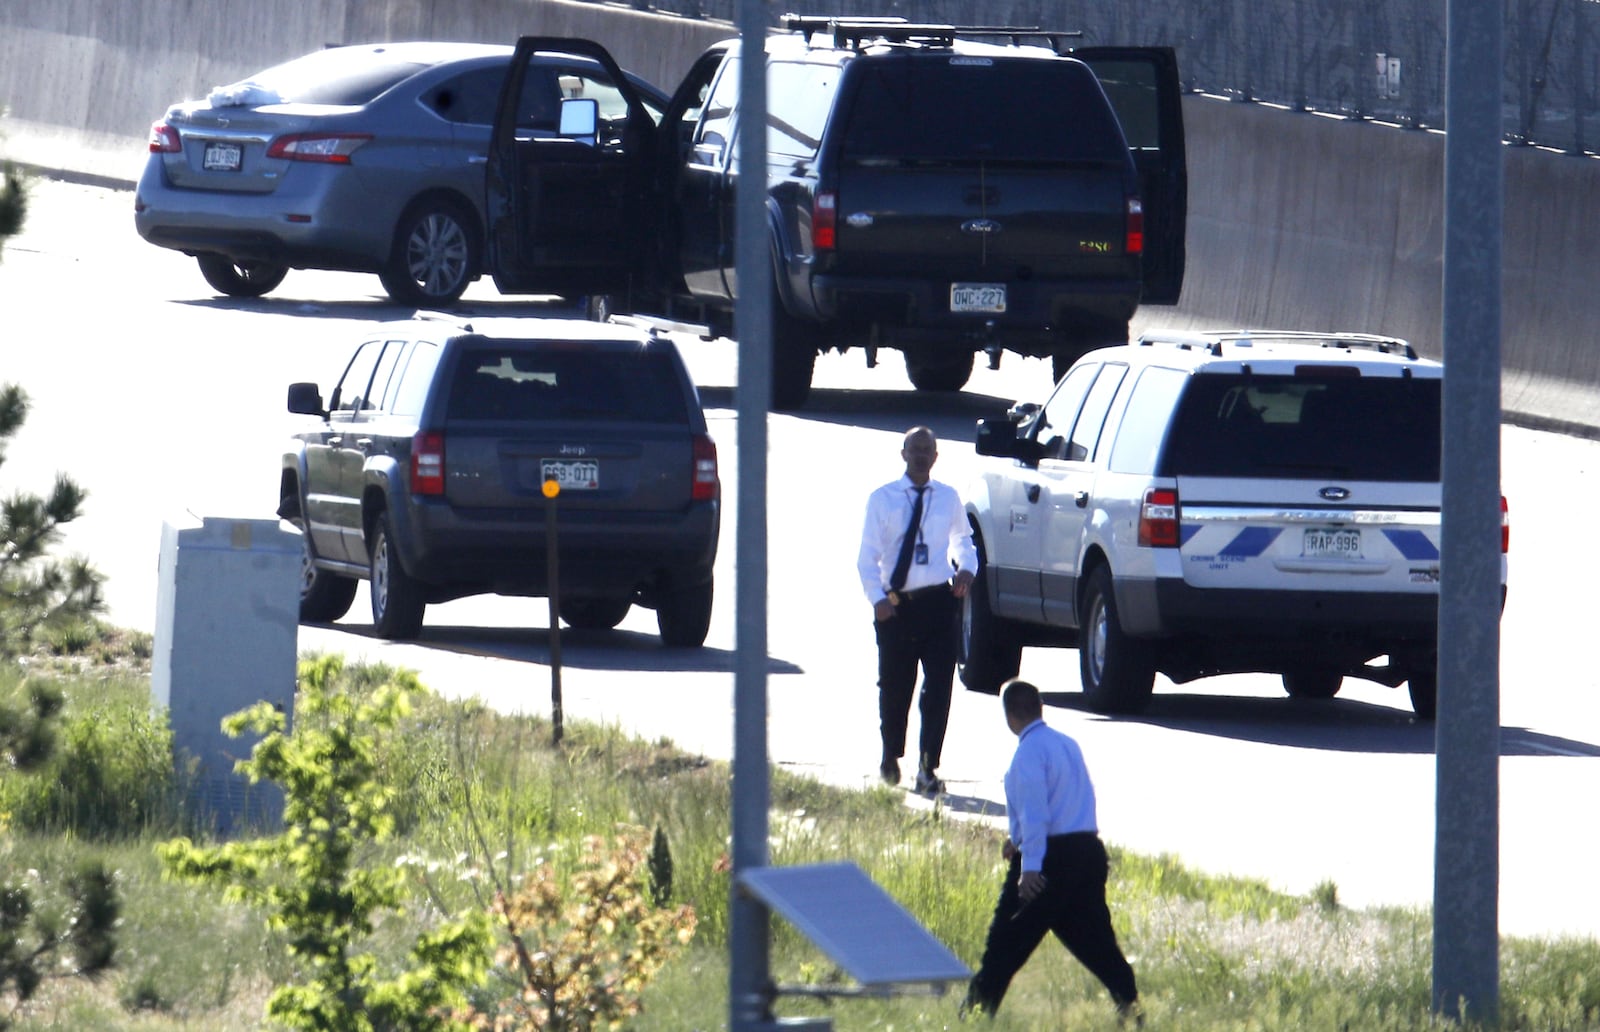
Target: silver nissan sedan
<point x="358" y="159"/>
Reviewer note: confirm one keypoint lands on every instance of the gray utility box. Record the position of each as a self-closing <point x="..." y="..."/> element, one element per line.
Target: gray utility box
<point x="227" y="616"/>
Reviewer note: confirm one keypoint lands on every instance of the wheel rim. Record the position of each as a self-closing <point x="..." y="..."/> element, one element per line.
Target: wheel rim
<point x="380" y="575"/>
<point x="308" y="568"/>
<point x="436" y="254"/>
<point x="1097" y="642"/>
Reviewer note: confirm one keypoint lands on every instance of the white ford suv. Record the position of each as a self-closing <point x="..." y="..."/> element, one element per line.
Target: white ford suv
<point x="1210" y="503"/>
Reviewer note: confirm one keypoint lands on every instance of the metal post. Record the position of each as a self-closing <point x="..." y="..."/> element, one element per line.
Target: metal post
<point x="552" y="491"/>
<point x="1466" y="978"/>
<point x="749" y="999"/>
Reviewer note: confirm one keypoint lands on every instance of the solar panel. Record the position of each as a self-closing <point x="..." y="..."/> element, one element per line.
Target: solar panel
<point x="855" y="922"/>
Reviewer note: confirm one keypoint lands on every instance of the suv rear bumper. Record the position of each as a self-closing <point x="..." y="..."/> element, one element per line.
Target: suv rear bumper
<point x="1167" y="607"/>
<point x="1037" y="312"/>
<point x="506" y="553"/>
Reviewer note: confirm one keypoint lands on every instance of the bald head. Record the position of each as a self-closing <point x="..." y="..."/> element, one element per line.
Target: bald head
<point x="920" y="449"/>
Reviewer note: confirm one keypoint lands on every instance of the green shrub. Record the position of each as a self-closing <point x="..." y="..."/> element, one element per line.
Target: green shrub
<point x="110" y="772"/>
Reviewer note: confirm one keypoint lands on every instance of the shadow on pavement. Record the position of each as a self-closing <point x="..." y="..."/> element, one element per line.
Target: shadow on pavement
<point x="619" y="649"/>
<point x="1339" y="725"/>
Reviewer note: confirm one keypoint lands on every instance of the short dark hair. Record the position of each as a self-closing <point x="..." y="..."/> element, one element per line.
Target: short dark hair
<point x="1021" y="699"/>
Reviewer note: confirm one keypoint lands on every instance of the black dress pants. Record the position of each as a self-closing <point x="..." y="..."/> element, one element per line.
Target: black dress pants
<point x="1072" y="905"/>
<point x="921" y="631"/>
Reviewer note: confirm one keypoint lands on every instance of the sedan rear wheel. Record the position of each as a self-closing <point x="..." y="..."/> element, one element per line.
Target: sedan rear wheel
<point x="240" y="279"/>
<point x="434" y="258"/>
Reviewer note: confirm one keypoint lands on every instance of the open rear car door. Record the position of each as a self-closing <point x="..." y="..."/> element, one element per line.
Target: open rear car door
<point x="1142" y="85"/>
<point x="567" y="210"/>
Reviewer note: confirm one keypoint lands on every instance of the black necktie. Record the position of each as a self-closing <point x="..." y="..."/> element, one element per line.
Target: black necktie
<point x="902" y="562"/>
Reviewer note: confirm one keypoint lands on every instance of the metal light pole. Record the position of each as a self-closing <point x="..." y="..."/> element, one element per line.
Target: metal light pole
<point x="1466" y="967"/>
<point x="749" y="997"/>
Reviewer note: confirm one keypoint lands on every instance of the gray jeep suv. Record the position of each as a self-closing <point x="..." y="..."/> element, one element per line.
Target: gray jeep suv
<point x="425" y="474"/>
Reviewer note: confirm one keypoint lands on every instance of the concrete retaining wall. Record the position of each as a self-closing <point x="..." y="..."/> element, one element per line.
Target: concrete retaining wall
<point x="1296" y="220"/>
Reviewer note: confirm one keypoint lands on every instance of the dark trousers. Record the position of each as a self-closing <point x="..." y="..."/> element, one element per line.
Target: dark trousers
<point x="1072" y="905"/>
<point x="921" y="631"/>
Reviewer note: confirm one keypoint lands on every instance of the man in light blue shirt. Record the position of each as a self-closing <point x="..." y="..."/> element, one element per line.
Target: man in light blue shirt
<point x="1056" y="877"/>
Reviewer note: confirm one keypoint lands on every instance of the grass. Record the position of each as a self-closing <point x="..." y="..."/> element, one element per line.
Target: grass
<point x="1211" y="954"/>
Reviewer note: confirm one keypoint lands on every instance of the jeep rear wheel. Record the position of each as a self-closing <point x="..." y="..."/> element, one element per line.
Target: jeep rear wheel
<point x="988" y="651"/>
<point x="324" y="596"/>
<point x="684" y="616"/>
<point x="1116" y="679"/>
<point x="240" y="279"/>
<point x="1312" y="683"/>
<point x="947" y="374"/>
<point x="397" y="600"/>
<point x="594" y="614"/>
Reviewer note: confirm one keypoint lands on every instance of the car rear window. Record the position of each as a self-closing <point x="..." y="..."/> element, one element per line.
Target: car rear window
<point x="979" y="108"/>
<point x="567" y="382"/>
<point x="336" y="76"/>
<point x="1350" y="427"/>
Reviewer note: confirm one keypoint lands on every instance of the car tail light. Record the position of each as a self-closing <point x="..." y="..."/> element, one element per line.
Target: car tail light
<point x="164" y="139"/>
<point x="1135" y="241"/>
<point x="824" y="219"/>
<point x="706" y="484"/>
<point x="1505" y="527"/>
<point x="1158" y="518"/>
<point x="427" y="463"/>
<point x="332" y="148"/>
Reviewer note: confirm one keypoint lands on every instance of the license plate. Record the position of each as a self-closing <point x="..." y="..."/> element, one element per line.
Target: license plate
<point x="223" y="157"/>
<point x="977" y="297"/>
<point x="1331" y="544"/>
<point x="580" y="475"/>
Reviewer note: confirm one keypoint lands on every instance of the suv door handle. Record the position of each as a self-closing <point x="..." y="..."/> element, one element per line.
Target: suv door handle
<point x="1033" y="492"/>
<point x="1082" y="499"/>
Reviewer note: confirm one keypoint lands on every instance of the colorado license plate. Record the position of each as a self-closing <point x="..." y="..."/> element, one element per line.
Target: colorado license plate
<point x="1331" y="544"/>
<point x="579" y="475"/>
<point x="977" y="297"/>
<point x="222" y="157"/>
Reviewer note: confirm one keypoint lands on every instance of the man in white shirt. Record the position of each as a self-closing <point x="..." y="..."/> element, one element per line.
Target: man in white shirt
<point x="916" y="535"/>
<point x="1057" y="866"/>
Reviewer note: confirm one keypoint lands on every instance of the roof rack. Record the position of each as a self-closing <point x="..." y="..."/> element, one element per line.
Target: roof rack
<point x="1213" y="340"/>
<point x="854" y="32"/>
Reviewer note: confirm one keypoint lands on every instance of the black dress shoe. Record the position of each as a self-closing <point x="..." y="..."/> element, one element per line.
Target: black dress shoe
<point x="889" y="770"/>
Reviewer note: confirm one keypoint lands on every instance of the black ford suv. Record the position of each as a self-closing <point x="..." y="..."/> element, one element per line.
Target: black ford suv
<point x="939" y="190"/>
<point x="425" y="475"/>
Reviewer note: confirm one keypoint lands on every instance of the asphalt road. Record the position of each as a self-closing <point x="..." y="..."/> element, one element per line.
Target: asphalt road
<point x="163" y="399"/>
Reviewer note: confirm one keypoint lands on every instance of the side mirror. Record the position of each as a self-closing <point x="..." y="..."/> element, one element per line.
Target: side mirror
<point x="306" y="400"/>
<point x="580" y="119"/>
<point x="1004" y="437"/>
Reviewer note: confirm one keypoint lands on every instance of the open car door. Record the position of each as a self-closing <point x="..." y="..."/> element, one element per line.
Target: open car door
<point x="1142" y="85"/>
<point x="567" y="211"/>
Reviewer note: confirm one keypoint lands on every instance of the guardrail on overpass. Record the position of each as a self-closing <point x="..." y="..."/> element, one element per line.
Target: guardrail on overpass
<point x="1297" y="220"/>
